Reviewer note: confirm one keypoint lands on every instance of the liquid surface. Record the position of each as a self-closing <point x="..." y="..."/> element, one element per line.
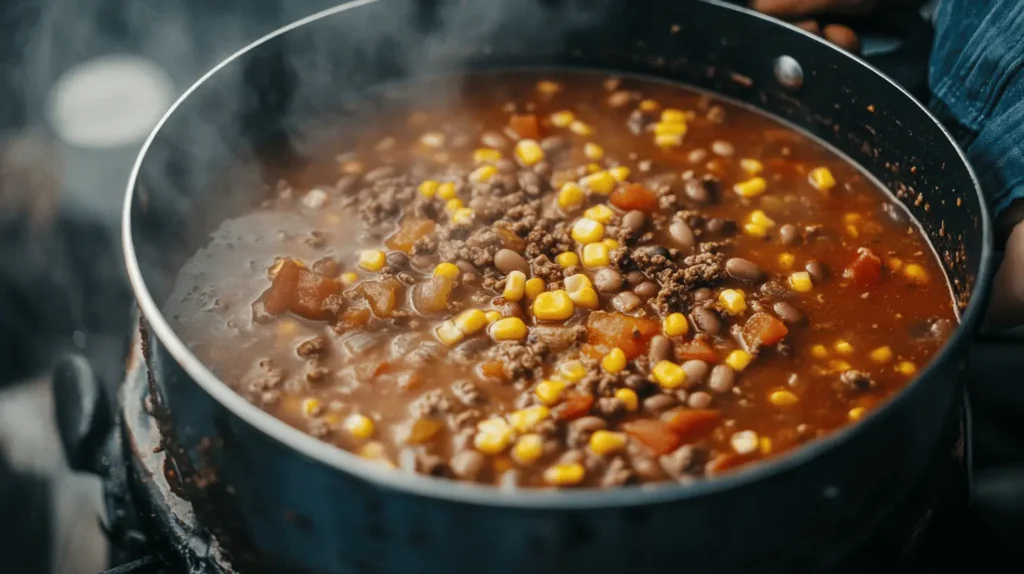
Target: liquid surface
<point x="568" y="280"/>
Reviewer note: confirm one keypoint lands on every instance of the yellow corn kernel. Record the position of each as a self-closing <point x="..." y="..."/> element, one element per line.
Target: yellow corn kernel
<point x="821" y="179"/>
<point x="454" y="204"/>
<point x="915" y="273"/>
<point x="470" y="321"/>
<point x="755" y="230"/>
<point x="738" y="359"/>
<point x="567" y="474"/>
<point x="783" y="398"/>
<point x="486" y="155"/>
<point x="819" y="352"/>
<point x="837" y="365"/>
<point x="595" y="255"/>
<point x="509" y="329"/>
<point x="611" y="244"/>
<point x="649" y="106"/>
<point x="577" y="282"/>
<point x="675" y="325"/>
<point x="570" y="196"/>
<point x="853" y="218"/>
<point x="567" y="259"/>
<point x="372" y="450"/>
<point x="615" y="361"/>
<point x="745" y="442"/>
<point x="372" y="259"/>
<point x="753" y="187"/>
<point x="581" y="129"/>
<point x="547" y="87"/>
<point x="492" y="316"/>
<point x="843" y="347"/>
<point x="787" y="260"/>
<point x="572" y="370"/>
<point x="668" y="374"/>
<point x="673" y="129"/>
<point x="668" y="140"/>
<point x="311" y="407"/>
<point x="882" y="354"/>
<point x="483" y="174"/>
<point x="446" y="191"/>
<point x="585" y="298"/>
<point x="600" y="213"/>
<point x="449" y="334"/>
<point x="592" y="151"/>
<point x="673" y="115"/>
<point x="287" y="329"/>
<point x="528" y="449"/>
<point x="432" y="139"/>
<point x="349" y="278"/>
<point x="628" y="397"/>
<point x="449" y="270"/>
<point x="535" y="286"/>
<point x="894" y="263"/>
<point x="620" y="173"/>
<point x="553" y="306"/>
<point x="856" y="413"/>
<point x="604" y="442"/>
<point x="733" y="301"/>
<point x="523" y="420"/>
<point x="593" y="167"/>
<point x="760" y="218"/>
<point x="801" y="282"/>
<point x="765" y="445"/>
<point x="751" y="166"/>
<point x="359" y="426"/>
<point x="428" y="188"/>
<point x="493" y="436"/>
<point x="549" y="392"/>
<point x="515" y="286"/>
<point x="562" y="119"/>
<point x="529" y="152"/>
<point x="600" y="182"/>
<point x="586" y="230"/>
<point x="463" y="216"/>
<point x="906" y="368"/>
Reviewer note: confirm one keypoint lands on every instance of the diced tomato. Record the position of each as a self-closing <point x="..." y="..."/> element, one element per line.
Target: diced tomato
<point x="357" y="317"/>
<point x="631" y="334"/>
<point x="408" y="232"/>
<point x="655" y="435"/>
<point x="634" y="196"/>
<point x="278" y="298"/>
<point x="492" y="370"/>
<point x="866" y="269"/>
<point x="381" y="295"/>
<point x="763" y="329"/>
<point x="724" y="462"/>
<point x="574" y="406"/>
<point x="696" y="349"/>
<point x="300" y="291"/>
<point x="525" y="126"/>
<point x="692" y="424"/>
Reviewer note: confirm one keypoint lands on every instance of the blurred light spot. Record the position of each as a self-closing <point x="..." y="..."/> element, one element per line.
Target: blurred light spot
<point x="110" y="101"/>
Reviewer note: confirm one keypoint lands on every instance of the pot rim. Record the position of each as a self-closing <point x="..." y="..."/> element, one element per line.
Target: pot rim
<point x="551" y="499"/>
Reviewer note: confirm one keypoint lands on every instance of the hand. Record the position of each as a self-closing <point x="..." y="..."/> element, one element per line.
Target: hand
<point x="1006" y="309"/>
<point x="804" y="13"/>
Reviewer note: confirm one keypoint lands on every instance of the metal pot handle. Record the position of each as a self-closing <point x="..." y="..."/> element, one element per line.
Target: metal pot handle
<point x="83" y="415"/>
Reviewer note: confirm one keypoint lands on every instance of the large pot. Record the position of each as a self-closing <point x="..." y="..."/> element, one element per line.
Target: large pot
<point x="282" y="501"/>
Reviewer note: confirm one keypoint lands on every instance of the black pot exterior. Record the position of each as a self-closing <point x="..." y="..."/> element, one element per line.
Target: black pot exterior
<point x="280" y="501"/>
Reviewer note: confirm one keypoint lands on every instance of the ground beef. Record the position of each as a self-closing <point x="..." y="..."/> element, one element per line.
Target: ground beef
<point x="385" y="198"/>
<point x="679" y="462"/>
<point x="617" y="473"/>
<point x="431" y="404"/>
<point x="468" y="393"/>
<point x="611" y="407"/>
<point x="520" y="360"/>
<point x="263" y="377"/>
<point x="312" y="348"/>
<point x="546" y="269"/>
<point x="430" y="464"/>
<point x="855" y="380"/>
<point x="548" y="237"/>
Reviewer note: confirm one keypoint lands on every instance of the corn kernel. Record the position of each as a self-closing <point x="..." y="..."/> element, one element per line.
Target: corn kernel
<point x="738" y="359"/>
<point x="592" y="151"/>
<point x="535" y="286"/>
<point x="821" y="179"/>
<point x="549" y="392"/>
<point x="553" y="306"/>
<point x="604" y="442"/>
<point x="547" y="87"/>
<point x="287" y="329"/>
<point x="906" y="368"/>
<point x="628" y="397"/>
<point x="843" y="347"/>
<point x="600" y="182"/>
<point x="572" y="370"/>
<point x="483" y="174"/>
<point x="649" y="106"/>
<point x="529" y="152"/>
<point x="600" y="213"/>
<point x="570" y="196"/>
<point x="856" y="413"/>
<point x="668" y="374"/>
<point x="593" y="167"/>
<point x="615" y="361"/>
<point x="528" y="449"/>
<point x="562" y="119"/>
<point x="470" y="321"/>
<point x="755" y="230"/>
<point x="894" y="263"/>
<point x="675" y="325"/>
<point x="567" y="259"/>
<point x="783" y="398"/>
<point x="620" y="173"/>
<point x="567" y="474"/>
<point x="492" y="316"/>
<point x="449" y="333"/>
<point x="509" y="329"/>
<point x="611" y="244"/>
<point x="733" y="301"/>
<point x="915" y="273"/>
<point x="524" y="420"/>
<point x="881" y="354"/>
<point x="359" y="426"/>
<point x="372" y="259"/>
<point x="493" y="436"/>
<point x="673" y="115"/>
<point x="581" y="129"/>
<point x="586" y="230"/>
<point x="819" y="352"/>
<point x="837" y="365"/>
<point x="668" y="140"/>
<point x="801" y="282"/>
<point x="577" y="282"/>
<point x="454" y="204"/>
<point x="311" y="407"/>
<point x="463" y="216"/>
<point x="432" y="139"/>
<point x="486" y="155"/>
<point x="515" y="286"/>
<point x="787" y="260"/>
<point x="751" y="166"/>
<point x="428" y="188"/>
<point x="765" y="445"/>
<point x="585" y="298"/>
<point x="595" y="255"/>
<point x="744" y="442"/>
<point x="449" y="270"/>
<point x="753" y="187"/>
<point x="446" y="190"/>
<point x="760" y="218"/>
<point x="676" y="129"/>
<point x="349" y="278"/>
<point x="372" y="450"/>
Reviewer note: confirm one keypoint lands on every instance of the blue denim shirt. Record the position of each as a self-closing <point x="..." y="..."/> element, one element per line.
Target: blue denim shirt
<point x="976" y="75"/>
